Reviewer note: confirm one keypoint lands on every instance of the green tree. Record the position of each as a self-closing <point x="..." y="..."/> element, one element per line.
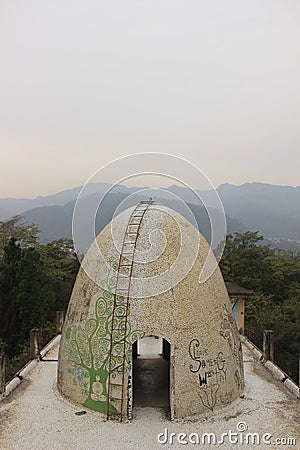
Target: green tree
<point x="35" y="282"/>
<point x="92" y="347"/>
<point x="61" y="264"/>
<point x="15" y="228"/>
<point x="274" y="276"/>
<point x="9" y="317"/>
<point x="34" y="294"/>
<point x="243" y="260"/>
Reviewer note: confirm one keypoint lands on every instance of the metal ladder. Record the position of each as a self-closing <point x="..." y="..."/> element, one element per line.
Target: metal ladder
<point x="117" y="357"/>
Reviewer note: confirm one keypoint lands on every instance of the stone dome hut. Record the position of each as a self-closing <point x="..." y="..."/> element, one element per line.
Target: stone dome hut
<point x="141" y="278"/>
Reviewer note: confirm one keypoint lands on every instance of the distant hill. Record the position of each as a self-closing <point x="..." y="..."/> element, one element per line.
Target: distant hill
<point x="12" y="206"/>
<point x="272" y="210"/>
<point x="278" y="200"/>
<point x="56" y="221"/>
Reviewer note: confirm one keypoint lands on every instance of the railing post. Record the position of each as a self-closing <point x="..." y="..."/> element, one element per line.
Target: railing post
<point x="2" y="375"/>
<point x="34" y="343"/>
<point x="60" y="318"/>
<point x="268" y="345"/>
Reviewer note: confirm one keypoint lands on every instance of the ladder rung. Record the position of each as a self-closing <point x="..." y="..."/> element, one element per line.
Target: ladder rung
<point x="116" y="328"/>
<point x="115" y="354"/>
<point x="119" y="343"/>
<point x="111" y="371"/>
<point x="115" y="398"/>
<point x="120" y="366"/>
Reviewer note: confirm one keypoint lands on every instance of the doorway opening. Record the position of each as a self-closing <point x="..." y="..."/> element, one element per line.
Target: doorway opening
<point x="151" y="373"/>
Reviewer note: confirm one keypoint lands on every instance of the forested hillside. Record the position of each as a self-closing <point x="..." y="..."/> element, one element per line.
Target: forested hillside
<point x="274" y="276"/>
<point x="36" y="280"/>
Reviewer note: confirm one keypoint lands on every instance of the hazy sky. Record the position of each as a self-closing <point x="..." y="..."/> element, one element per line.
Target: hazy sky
<point x="84" y="82"/>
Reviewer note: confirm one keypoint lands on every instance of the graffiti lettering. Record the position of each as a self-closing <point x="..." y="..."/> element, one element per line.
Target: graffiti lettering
<point x="211" y="372"/>
<point x="195" y="355"/>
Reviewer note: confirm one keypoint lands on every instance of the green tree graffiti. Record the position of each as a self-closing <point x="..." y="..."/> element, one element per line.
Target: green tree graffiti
<point x="90" y="346"/>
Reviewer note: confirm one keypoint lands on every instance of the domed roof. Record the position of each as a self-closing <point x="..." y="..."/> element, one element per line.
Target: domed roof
<point x="142" y="276"/>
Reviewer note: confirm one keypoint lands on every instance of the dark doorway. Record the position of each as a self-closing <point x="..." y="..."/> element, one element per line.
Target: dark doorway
<point x="151" y="373"/>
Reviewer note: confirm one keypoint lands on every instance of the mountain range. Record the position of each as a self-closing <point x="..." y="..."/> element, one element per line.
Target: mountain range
<point x="272" y="210"/>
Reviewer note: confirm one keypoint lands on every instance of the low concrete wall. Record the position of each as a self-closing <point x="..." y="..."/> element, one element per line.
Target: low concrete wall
<point x="277" y="373"/>
<point x="14" y="383"/>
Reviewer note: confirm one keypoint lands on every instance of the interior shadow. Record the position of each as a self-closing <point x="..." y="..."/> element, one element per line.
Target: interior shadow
<point x="151" y="373"/>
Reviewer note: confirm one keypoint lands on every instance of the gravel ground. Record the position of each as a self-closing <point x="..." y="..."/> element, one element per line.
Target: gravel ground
<point x="35" y="416"/>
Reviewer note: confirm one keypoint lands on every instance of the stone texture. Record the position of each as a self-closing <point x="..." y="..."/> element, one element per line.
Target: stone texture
<point x="166" y="300"/>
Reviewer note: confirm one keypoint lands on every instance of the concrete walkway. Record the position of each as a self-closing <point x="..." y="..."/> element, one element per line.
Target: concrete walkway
<point x="34" y="416"/>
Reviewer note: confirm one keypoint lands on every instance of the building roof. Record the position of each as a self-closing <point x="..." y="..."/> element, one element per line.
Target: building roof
<point x="234" y="289"/>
